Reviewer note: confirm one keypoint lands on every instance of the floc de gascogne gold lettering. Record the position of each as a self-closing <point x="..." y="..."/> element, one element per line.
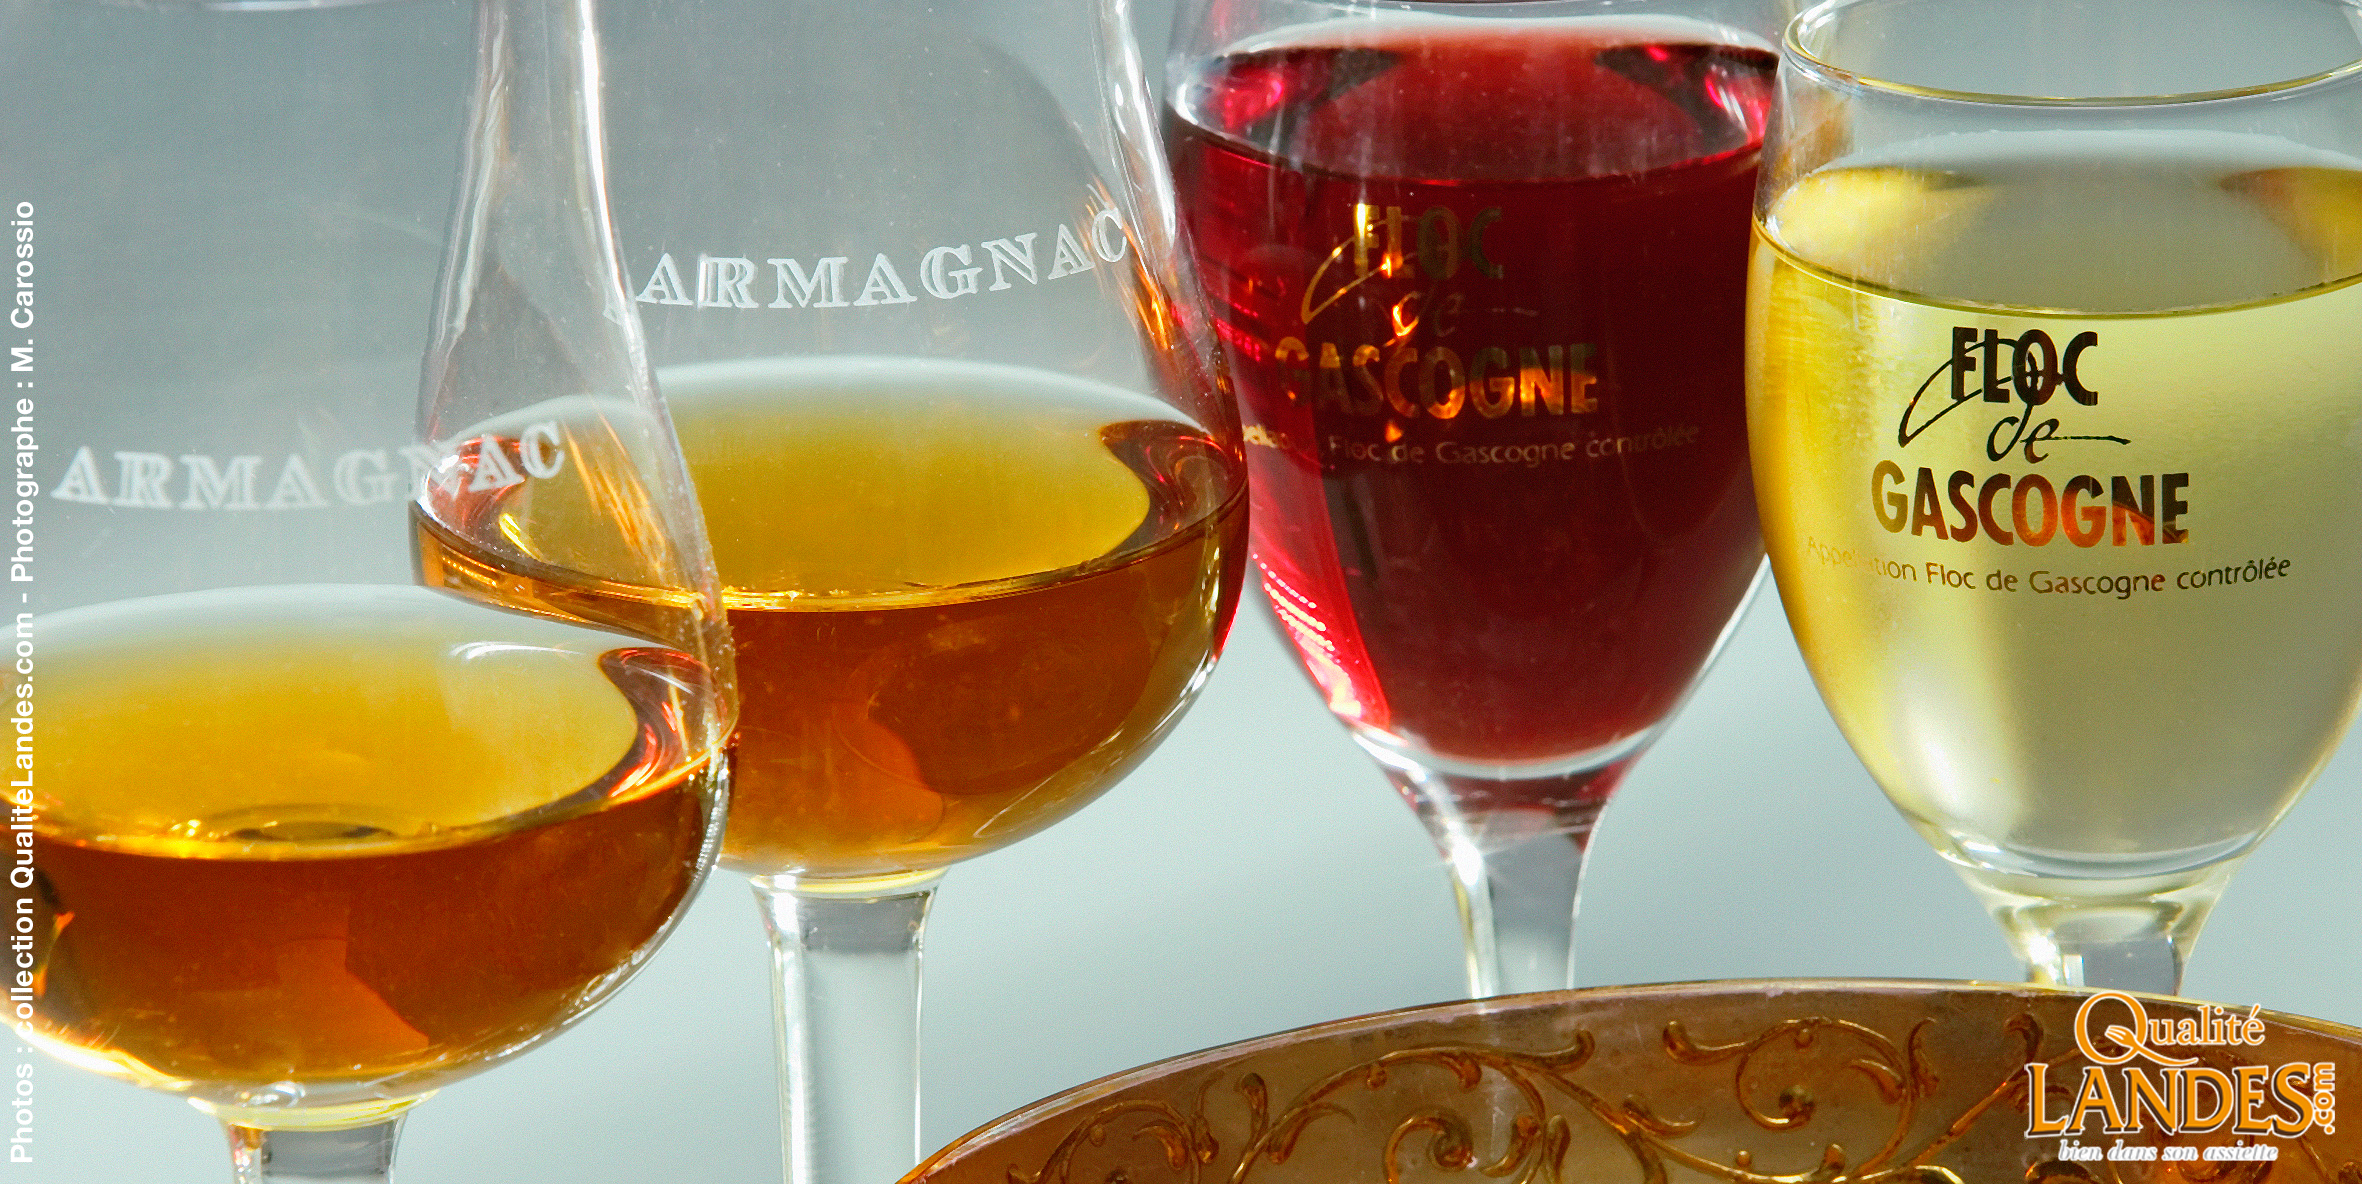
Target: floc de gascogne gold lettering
<point x="2146" y="509"/>
<point x="1438" y="382"/>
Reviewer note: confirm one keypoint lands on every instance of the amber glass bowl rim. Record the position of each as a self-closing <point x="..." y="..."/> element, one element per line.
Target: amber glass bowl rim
<point x="1077" y="1096"/>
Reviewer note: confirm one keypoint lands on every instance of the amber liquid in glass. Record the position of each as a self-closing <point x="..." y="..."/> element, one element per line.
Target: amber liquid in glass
<point x="965" y="598"/>
<point x="352" y="837"/>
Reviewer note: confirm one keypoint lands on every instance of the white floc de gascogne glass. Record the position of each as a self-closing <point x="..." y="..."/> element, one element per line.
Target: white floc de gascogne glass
<point x="2055" y="385"/>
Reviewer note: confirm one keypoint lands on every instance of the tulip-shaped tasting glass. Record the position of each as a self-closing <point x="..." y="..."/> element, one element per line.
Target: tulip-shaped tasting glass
<point x="1479" y="272"/>
<point x="974" y="494"/>
<point x="308" y="839"/>
<point x="2055" y="386"/>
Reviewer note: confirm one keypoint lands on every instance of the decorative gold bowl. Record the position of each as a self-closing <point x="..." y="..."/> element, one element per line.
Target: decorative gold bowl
<point x="1829" y="1082"/>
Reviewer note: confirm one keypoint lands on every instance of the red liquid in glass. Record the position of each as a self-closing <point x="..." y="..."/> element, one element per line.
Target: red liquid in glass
<point x="1481" y="291"/>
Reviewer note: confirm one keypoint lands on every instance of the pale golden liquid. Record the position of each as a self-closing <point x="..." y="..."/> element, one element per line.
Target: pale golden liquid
<point x="338" y="835"/>
<point x="2061" y="734"/>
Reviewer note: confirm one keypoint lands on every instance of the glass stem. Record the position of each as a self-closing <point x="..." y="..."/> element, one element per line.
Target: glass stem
<point x="352" y="1155"/>
<point x="845" y="979"/>
<point x="2131" y="935"/>
<point x="1515" y="852"/>
<point x="2141" y="960"/>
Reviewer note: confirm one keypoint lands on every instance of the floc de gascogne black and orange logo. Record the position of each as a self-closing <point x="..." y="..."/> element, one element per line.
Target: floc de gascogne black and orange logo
<point x="2037" y="384"/>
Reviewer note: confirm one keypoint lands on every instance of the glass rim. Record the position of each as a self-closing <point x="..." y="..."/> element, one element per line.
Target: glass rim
<point x="1793" y="49"/>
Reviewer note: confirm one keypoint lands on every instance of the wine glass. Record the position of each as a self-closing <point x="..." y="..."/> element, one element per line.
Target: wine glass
<point x="1478" y="273"/>
<point x="973" y="490"/>
<point x="300" y="839"/>
<point x="2055" y="373"/>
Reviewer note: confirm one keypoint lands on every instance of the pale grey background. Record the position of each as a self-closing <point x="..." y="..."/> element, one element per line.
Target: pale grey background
<point x="1257" y="874"/>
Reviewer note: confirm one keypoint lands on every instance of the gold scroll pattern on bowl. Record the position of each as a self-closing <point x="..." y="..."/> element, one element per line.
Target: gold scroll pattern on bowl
<point x="1736" y="1082"/>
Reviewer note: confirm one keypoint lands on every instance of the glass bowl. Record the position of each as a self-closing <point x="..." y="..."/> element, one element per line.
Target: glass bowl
<point x="1747" y="1082"/>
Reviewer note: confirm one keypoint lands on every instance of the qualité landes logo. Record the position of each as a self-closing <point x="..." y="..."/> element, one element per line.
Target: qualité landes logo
<point x="2150" y="1081"/>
